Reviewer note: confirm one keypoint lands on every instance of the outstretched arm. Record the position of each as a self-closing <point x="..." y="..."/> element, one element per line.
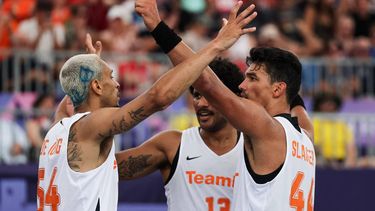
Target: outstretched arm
<point x="149" y="12"/>
<point x="208" y="84"/>
<point x="156" y="153"/>
<point x="110" y="121"/>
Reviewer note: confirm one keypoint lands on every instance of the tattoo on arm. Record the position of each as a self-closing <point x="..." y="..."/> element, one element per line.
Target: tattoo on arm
<point x="74" y="151"/>
<point x="122" y="125"/>
<point x="138" y="115"/>
<point x="132" y="166"/>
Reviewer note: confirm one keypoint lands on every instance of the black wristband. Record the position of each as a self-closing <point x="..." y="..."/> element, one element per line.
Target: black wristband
<point x="165" y="37"/>
<point x="297" y="101"/>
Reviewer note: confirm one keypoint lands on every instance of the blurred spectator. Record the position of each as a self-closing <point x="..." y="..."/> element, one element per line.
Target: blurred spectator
<point x="97" y="15"/>
<point x="196" y="33"/>
<point x="39" y="35"/>
<point x="38" y="124"/>
<point x="132" y="75"/>
<point x="270" y="35"/>
<point x="320" y="19"/>
<point x="7" y="28"/>
<point x="76" y="29"/>
<point x="60" y="13"/>
<point x="361" y="48"/>
<point x="363" y="16"/>
<point x="295" y="34"/>
<point x="121" y="34"/>
<point x="13" y="143"/>
<point x="344" y="34"/>
<point x="19" y="9"/>
<point x="190" y="9"/>
<point x="334" y="139"/>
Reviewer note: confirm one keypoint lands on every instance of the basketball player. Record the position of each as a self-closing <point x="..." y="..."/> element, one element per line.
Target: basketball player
<point x="277" y="168"/>
<point x="198" y="165"/>
<point x="77" y="167"/>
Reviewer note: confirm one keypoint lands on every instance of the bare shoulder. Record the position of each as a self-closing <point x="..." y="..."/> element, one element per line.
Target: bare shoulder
<point x="168" y="140"/>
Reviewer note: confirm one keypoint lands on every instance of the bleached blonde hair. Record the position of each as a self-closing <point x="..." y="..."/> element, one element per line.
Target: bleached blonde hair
<point x="76" y="75"/>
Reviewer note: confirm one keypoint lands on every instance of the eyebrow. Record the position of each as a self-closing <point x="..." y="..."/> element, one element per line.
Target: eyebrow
<point x="248" y="74"/>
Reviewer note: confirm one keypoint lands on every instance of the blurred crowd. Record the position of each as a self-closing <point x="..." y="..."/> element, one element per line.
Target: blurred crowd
<point x="334" y="28"/>
<point x="340" y="33"/>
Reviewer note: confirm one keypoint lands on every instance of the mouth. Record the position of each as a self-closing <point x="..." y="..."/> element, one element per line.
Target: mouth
<point x="243" y="95"/>
<point x="204" y="114"/>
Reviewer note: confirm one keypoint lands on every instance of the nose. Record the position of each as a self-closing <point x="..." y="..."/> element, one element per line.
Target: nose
<point x="242" y="86"/>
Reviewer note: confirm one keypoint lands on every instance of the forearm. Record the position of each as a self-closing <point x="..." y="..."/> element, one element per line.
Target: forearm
<point x="134" y="166"/>
<point x="171" y="85"/>
<point x="182" y="52"/>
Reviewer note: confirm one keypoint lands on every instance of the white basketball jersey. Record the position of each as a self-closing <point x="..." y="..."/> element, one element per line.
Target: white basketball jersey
<point x="202" y="179"/>
<point x="294" y="186"/>
<point x="61" y="188"/>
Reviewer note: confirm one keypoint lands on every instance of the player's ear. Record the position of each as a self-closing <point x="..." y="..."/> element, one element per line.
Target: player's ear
<point x="96" y="87"/>
<point x="278" y="89"/>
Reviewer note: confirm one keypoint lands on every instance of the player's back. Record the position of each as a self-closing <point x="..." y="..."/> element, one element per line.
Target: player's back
<point x="61" y="188"/>
<point x="291" y="187"/>
<point x="202" y="180"/>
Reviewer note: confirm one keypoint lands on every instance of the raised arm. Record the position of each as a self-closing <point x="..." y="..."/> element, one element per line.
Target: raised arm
<point x="149" y="12"/>
<point x="110" y="121"/>
<point x="208" y="84"/>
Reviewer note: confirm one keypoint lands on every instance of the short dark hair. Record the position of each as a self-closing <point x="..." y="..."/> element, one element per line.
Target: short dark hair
<point x="281" y="66"/>
<point x="228" y="73"/>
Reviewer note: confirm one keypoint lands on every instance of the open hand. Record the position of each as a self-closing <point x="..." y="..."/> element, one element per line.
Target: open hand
<point x="233" y="28"/>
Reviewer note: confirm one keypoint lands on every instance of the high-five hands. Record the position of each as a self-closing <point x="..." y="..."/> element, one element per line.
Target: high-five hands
<point x="232" y="28"/>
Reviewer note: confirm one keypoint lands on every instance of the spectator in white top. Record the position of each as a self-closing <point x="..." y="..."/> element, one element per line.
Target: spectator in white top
<point x="39" y="35"/>
<point x="13" y="143"/>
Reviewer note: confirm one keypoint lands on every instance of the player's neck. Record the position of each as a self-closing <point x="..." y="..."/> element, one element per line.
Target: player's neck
<point x="278" y="107"/>
<point x="220" y="141"/>
<point x="89" y="105"/>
